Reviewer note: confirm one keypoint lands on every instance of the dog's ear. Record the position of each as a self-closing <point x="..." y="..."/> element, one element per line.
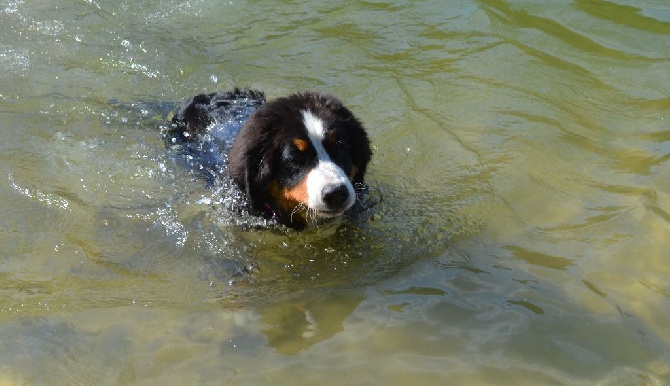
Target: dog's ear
<point x="256" y="179"/>
<point x="361" y="151"/>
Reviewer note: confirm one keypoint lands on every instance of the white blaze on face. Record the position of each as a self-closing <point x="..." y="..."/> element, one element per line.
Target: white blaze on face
<point x="326" y="174"/>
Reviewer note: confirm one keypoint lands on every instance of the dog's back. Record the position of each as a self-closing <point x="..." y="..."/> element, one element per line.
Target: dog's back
<point x="204" y="128"/>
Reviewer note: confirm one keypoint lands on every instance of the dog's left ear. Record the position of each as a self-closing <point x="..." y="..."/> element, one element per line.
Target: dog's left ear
<point x="256" y="180"/>
<point x="361" y="151"/>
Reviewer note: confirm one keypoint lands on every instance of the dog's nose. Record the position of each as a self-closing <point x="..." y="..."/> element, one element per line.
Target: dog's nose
<point x="335" y="196"/>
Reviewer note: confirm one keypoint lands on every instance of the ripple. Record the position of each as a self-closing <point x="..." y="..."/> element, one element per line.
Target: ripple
<point x="637" y="18"/>
<point x="49" y="199"/>
<point x="540" y="259"/>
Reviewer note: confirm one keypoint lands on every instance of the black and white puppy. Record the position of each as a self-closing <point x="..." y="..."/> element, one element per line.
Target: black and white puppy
<point x="298" y="159"/>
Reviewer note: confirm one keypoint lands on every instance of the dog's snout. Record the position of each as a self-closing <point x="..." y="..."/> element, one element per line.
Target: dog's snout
<point x="335" y="196"/>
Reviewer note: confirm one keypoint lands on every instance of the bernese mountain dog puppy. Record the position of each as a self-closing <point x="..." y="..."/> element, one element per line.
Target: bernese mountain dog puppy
<point x="297" y="159"/>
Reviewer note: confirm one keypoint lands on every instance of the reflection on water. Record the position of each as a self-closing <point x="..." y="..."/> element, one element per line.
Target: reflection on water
<point x="521" y="169"/>
<point x="294" y="326"/>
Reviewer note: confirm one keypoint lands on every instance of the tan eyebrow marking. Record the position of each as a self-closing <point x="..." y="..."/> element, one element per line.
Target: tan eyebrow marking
<point x="300" y="144"/>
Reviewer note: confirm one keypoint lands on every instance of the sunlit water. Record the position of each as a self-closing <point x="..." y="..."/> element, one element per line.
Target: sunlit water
<point x="521" y="171"/>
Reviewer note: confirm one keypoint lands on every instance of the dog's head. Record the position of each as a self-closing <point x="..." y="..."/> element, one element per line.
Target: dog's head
<point x="301" y="157"/>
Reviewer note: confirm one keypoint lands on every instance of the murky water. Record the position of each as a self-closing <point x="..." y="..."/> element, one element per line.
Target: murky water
<point x="522" y="156"/>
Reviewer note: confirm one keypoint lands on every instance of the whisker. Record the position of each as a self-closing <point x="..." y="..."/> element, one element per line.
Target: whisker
<point x="313" y="215"/>
<point x="296" y="209"/>
<point x="360" y="188"/>
<point x="365" y="200"/>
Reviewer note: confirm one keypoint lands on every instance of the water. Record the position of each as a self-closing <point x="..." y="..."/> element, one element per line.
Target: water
<point x="521" y="158"/>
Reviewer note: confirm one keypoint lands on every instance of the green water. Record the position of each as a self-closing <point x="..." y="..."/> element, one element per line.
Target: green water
<point x="522" y="155"/>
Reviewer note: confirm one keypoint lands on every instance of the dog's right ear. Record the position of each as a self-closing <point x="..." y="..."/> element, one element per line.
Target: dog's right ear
<point x="256" y="179"/>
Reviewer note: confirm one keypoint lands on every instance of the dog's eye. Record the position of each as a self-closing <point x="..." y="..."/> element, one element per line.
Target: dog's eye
<point x="296" y="152"/>
<point x="331" y="137"/>
<point x="340" y="145"/>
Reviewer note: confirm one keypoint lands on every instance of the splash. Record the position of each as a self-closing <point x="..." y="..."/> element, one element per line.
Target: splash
<point x="49" y="199"/>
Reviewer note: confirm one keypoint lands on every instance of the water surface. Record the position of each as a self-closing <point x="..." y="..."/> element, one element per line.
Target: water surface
<point x="521" y="158"/>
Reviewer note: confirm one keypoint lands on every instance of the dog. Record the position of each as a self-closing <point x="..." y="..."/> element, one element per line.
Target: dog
<point x="297" y="159"/>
